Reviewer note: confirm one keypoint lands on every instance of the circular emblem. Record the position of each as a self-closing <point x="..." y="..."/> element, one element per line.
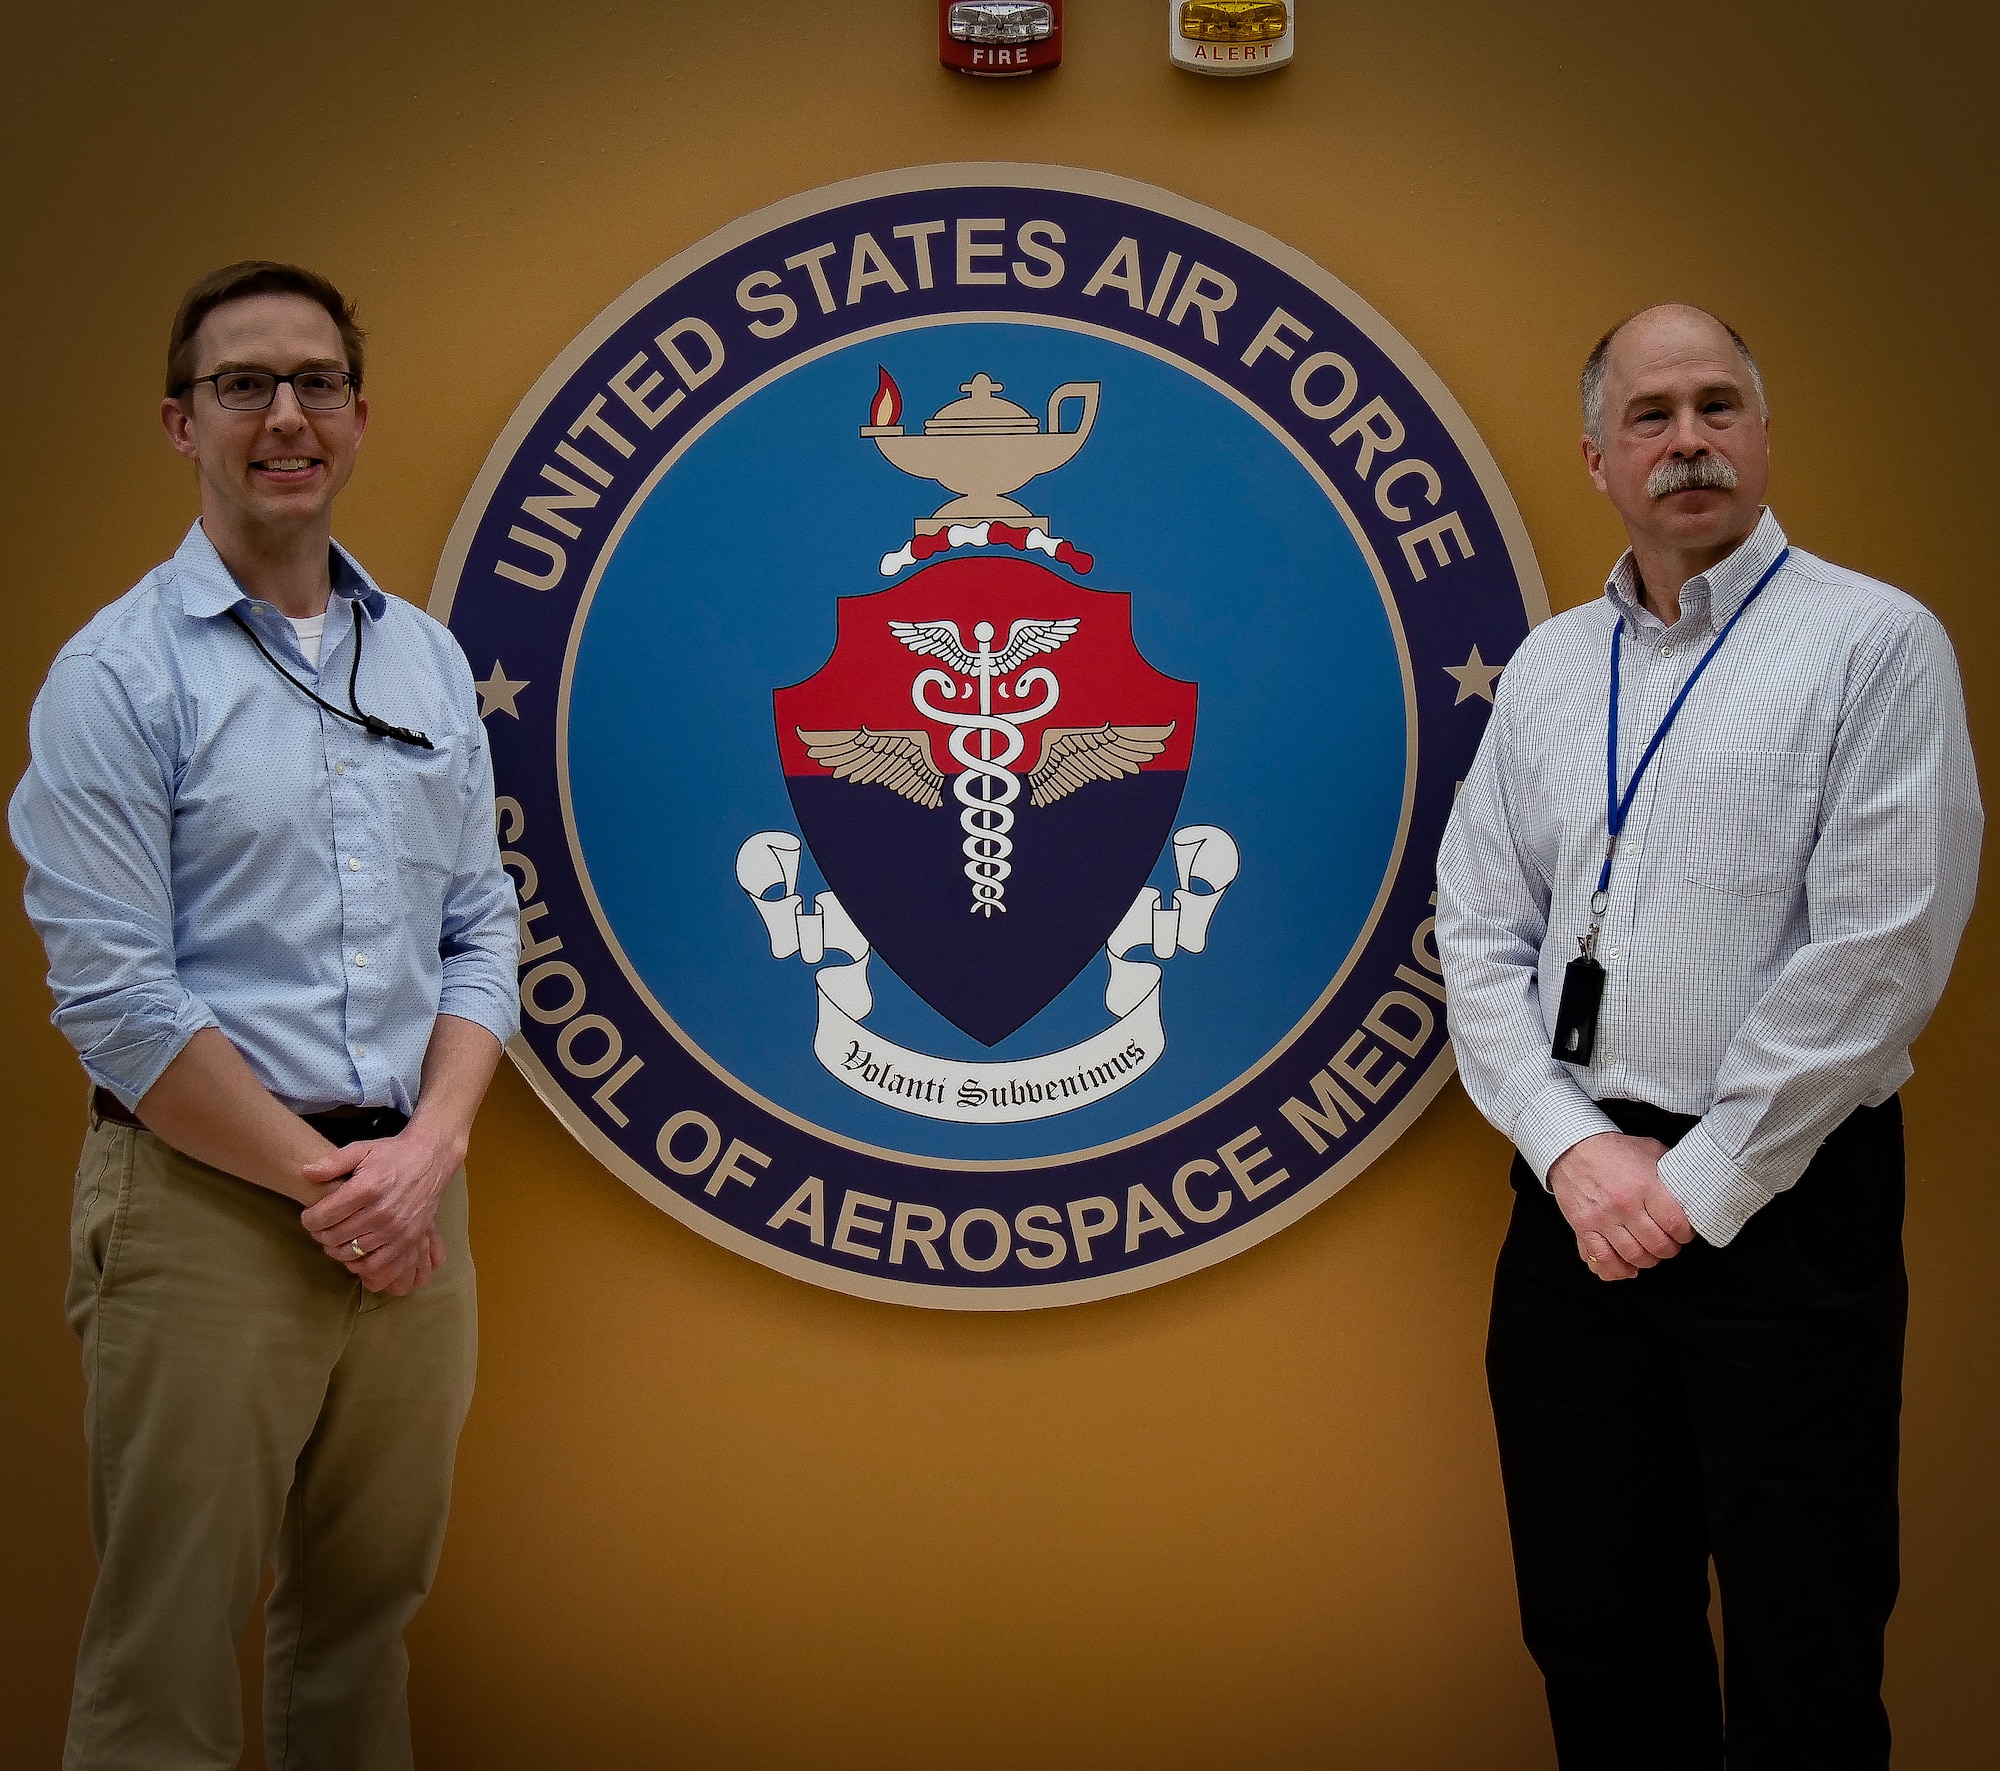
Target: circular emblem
<point x="978" y="660"/>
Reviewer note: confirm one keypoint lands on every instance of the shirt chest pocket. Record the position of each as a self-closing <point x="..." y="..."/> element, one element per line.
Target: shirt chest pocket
<point x="430" y="807"/>
<point x="1747" y="820"/>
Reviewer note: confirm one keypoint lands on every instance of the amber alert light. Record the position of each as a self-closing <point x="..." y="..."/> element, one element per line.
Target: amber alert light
<point x="1229" y="36"/>
<point x="999" y="37"/>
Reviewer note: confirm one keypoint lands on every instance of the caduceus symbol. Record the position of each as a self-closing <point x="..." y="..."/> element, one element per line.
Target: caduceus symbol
<point x="987" y="788"/>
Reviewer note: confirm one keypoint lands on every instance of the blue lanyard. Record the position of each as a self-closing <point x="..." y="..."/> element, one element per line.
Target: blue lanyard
<point x="1618" y="806"/>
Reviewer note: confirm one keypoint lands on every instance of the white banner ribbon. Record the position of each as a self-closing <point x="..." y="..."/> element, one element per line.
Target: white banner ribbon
<point x="988" y="1093"/>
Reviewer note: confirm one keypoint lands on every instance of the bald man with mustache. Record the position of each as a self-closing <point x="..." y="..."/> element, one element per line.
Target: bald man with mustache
<point x="1700" y="891"/>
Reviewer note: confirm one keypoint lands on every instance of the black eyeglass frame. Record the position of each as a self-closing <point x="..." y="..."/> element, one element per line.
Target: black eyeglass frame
<point x="350" y="381"/>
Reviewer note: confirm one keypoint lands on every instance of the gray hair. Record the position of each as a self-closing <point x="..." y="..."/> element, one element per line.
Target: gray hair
<point x="1591" y="383"/>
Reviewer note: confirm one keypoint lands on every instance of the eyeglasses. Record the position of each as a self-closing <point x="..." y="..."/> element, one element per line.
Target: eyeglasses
<point x="251" y="390"/>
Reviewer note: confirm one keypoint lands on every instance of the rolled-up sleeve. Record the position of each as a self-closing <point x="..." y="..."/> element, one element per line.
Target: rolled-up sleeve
<point x="1493" y="913"/>
<point x="93" y="818"/>
<point x="480" y="940"/>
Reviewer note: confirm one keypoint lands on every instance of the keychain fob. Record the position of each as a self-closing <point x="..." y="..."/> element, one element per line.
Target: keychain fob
<point x="1576" y="1015"/>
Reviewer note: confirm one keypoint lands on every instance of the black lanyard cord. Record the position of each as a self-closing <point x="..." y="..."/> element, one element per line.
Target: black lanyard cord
<point x="369" y="722"/>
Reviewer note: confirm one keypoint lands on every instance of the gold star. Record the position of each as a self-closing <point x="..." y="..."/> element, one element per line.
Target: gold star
<point x="497" y="692"/>
<point x="1474" y="677"/>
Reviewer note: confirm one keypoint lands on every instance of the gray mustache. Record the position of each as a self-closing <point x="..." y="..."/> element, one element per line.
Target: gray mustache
<point x="1705" y="473"/>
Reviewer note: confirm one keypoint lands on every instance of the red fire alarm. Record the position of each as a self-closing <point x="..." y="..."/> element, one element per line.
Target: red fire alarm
<point x="999" y="37"/>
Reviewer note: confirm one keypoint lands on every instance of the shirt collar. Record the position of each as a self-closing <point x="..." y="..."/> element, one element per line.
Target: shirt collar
<point x="208" y="588"/>
<point x="1716" y="594"/>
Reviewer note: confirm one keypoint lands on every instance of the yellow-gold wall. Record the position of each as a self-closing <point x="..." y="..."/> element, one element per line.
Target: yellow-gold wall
<point x="710" y="1517"/>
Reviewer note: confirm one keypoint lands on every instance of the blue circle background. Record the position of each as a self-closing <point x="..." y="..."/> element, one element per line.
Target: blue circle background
<point x="723" y="588"/>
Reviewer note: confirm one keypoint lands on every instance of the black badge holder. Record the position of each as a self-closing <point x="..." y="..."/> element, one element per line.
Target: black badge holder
<point x="1582" y="994"/>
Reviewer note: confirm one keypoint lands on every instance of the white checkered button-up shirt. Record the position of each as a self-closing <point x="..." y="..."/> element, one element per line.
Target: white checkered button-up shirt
<point x="1789" y="888"/>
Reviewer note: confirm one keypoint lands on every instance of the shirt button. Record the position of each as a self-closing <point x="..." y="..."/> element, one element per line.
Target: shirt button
<point x="1614" y="951"/>
<point x="340" y="768"/>
<point x="361" y="1051"/>
<point x="361" y="959"/>
<point x="353" y="864"/>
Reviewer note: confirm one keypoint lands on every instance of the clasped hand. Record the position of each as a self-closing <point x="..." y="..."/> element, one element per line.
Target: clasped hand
<point x="385" y="1194"/>
<point x="1625" y="1219"/>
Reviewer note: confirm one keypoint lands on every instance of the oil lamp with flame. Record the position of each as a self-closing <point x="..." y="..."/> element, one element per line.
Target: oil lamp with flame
<point x="981" y="447"/>
<point x="1230" y="36"/>
<point x="999" y="37"/>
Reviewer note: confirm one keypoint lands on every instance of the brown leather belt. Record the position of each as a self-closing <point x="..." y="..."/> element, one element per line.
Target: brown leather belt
<point x="339" y="1125"/>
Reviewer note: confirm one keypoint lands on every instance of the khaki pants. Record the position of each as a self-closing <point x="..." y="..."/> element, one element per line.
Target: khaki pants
<point x="250" y="1406"/>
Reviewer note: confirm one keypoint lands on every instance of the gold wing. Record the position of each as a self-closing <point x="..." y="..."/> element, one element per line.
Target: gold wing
<point x="1075" y="756"/>
<point x="900" y="761"/>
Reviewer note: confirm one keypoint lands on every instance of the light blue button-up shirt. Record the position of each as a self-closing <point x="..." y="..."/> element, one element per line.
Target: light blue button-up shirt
<point x="207" y="848"/>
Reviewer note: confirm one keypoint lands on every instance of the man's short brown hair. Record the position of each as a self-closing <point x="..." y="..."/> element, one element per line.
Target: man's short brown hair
<point x="255" y="276"/>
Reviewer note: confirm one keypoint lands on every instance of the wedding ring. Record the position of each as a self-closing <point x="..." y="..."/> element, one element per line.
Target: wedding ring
<point x="360" y="1253"/>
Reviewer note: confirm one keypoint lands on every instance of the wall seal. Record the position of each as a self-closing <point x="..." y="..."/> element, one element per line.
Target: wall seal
<point x="978" y="660"/>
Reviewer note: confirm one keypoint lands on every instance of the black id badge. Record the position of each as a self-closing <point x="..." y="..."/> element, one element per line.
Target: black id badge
<point x="1576" y="1015"/>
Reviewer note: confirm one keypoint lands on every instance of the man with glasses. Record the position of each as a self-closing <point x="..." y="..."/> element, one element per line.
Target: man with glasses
<point x="258" y="822"/>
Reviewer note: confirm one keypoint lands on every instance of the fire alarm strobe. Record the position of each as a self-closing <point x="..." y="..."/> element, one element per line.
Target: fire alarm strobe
<point x="999" y="37"/>
<point x="1229" y="36"/>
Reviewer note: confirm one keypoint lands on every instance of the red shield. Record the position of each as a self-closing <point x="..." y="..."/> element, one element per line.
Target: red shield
<point x="986" y="771"/>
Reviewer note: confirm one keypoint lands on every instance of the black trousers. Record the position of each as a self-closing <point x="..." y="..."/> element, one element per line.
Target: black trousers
<point x="1739" y="1403"/>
